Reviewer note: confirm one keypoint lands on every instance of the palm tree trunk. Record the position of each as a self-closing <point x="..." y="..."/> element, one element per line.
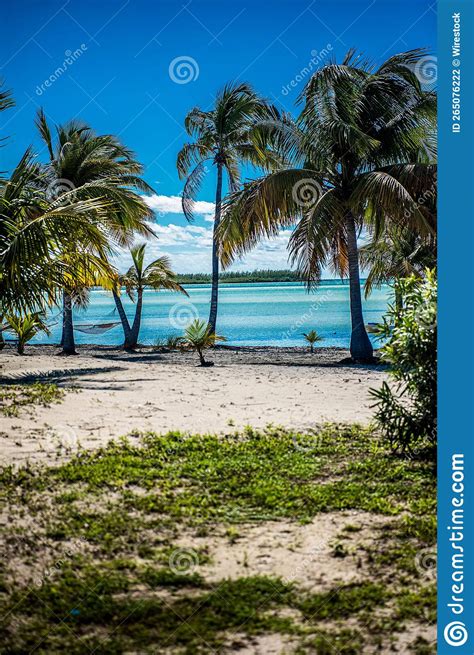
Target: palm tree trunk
<point x="67" y="342"/>
<point x="125" y="324"/>
<point x="361" y="347"/>
<point x="215" y="253"/>
<point x="137" y="320"/>
<point x="201" y="358"/>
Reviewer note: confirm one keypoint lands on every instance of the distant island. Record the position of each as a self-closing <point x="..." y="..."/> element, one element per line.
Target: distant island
<point x="243" y="276"/>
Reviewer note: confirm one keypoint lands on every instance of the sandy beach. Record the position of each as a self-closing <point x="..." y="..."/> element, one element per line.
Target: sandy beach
<point x="111" y="393"/>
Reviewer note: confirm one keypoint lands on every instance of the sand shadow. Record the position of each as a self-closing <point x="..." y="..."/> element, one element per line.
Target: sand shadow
<point x="56" y="376"/>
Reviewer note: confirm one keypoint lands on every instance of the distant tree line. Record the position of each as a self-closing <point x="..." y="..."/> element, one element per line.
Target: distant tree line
<point x="241" y="276"/>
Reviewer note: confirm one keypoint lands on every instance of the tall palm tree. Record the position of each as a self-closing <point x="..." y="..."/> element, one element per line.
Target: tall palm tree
<point x="85" y="165"/>
<point x="222" y="138"/>
<point x="157" y="275"/>
<point x="361" y="154"/>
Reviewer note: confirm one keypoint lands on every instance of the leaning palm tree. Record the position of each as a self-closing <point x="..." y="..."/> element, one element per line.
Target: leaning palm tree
<point x="157" y="275"/>
<point x="84" y="165"/>
<point x="222" y="139"/>
<point x="361" y="154"/>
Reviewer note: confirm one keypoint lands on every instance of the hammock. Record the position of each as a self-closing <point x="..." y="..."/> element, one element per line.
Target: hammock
<point x="53" y="320"/>
<point x="87" y="328"/>
<point x="97" y="328"/>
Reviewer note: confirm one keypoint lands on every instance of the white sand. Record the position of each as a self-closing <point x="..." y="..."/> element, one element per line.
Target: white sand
<point x="120" y="392"/>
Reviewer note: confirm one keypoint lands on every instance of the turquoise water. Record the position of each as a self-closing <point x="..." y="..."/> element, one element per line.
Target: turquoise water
<point x="274" y="314"/>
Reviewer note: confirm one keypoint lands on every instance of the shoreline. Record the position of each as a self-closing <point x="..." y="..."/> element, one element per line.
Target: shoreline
<point x="323" y="355"/>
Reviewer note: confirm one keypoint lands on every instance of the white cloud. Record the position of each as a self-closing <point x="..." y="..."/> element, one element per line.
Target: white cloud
<point x="190" y="247"/>
<point x="172" y="205"/>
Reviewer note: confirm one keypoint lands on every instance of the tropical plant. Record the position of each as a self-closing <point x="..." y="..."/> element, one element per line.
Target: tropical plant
<point x="34" y="232"/>
<point x="397" y="254"/>
<point x="361" y="154"/>
<point x="222" y="138"/>
<point x="84" y="166"/>
<point x="199" y="336"/>
<point x="6" y="101"/>
<point x="6" y="98"/>
<point x="174" y="342"/>
<point x="312" y="337"/>
<point x="157" y="275"/>
<point x="25" y="326"/>
<point x="406" y="412"/>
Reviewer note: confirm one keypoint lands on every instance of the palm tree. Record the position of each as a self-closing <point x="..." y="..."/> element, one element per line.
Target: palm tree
<point x="222" y="137"/>
<point x="199" y="336"/>
<point x="26" y="326"/>
<point x="398" y="254"/>
<point x="84" y="165"/>
<point x="361" y="154"/>
<point x="6" y="101"/>
<point x="312" y="337"/>
<point x="34" y="231"/>
<point x="157" y="275"/>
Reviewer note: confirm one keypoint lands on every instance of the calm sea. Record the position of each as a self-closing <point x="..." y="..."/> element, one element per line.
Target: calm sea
<point x="274" y="313"/>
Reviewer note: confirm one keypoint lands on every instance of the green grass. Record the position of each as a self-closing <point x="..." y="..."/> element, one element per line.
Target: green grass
<point x="343" y="602"/>
<point x="257" y="475"/>
<point x="17" y="397"/>
<point x="124" y="588"/>
<point x="85" y="597"/>
<point x="341" y="642"/>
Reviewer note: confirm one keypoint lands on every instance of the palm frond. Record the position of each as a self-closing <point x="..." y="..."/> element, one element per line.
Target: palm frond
<point x="191" y="189"/>
<point x="263" y="207"/>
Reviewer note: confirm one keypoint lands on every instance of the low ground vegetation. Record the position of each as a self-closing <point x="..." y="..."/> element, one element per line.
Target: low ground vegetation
<point x="119" y="550"/>
<point x="22" y="397"/>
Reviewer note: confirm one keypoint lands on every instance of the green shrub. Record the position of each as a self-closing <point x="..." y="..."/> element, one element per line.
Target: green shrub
<point x="174" y="342"/>
<point x="406" y="411"/>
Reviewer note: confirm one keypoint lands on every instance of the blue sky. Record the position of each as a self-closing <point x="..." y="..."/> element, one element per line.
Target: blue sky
<point x="134" y="68"/>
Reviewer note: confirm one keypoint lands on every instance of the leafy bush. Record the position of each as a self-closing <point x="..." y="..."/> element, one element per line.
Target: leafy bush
<point x="174" y="342"/>
<point x="171" y="342"/>
<point x="406" y="411"/>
